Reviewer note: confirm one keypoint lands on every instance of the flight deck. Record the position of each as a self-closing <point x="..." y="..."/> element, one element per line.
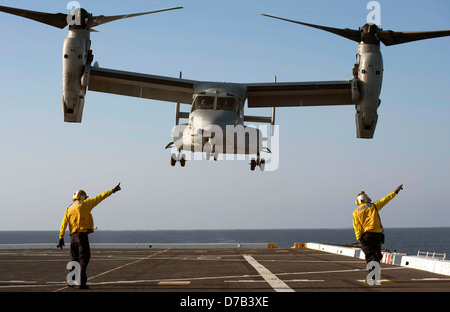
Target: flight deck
<point x="206" y="269"/>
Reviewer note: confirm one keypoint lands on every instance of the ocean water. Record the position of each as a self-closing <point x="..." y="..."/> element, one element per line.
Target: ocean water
<point x="405" y="240"/>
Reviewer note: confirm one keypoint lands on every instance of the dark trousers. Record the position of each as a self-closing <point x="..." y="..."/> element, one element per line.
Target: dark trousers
<point x="371" y="246"/>
<point x="80" y="251"/>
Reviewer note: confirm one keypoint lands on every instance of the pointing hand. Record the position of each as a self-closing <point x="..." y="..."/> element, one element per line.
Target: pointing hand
<point x="398" y="189"/>
<point x="117" y="188"/>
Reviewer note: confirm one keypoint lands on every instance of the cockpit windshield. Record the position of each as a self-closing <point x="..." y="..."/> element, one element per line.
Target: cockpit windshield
<point x="207" y="102"/>
<point x="203" y="102"/>
<point x="225" y="103"/>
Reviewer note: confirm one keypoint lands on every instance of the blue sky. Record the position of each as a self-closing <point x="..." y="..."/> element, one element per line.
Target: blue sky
<point x="323" y="166"/>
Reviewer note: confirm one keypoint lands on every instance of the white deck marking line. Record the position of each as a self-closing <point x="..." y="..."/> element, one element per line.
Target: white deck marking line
<point x="260" y="281"/>
<point x="431" y="279"/>
<point x="277" y="284"/>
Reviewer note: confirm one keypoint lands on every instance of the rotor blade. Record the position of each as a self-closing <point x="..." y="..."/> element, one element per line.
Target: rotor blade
<point x="391" y="37"/>
<point x="351" y="34"/>
<point x="57" y="20"/>
<point x="101" y="19"/>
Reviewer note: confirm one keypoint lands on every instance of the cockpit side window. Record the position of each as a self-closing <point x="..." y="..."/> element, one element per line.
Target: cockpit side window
<point x="203" y="102"/>
<point x="226" y="103"/>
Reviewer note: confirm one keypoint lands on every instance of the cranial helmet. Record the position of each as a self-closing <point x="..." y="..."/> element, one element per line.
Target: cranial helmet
<point x="362" y="199"/>
<point x="79" y="195"/>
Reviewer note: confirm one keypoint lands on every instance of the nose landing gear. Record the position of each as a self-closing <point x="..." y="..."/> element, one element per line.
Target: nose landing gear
<point x="211" y="149"/>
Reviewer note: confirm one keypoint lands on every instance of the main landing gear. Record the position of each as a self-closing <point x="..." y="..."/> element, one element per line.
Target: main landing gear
<point x="260" y="162"/>
<point x="179" y="157"/>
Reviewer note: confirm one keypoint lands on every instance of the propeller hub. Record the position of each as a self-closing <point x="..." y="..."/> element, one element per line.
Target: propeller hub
<point x="369" y="34"/>
<point x="79" y="19"/>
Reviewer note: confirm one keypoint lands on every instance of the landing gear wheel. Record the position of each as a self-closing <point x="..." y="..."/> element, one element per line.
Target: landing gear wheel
<point x="211" y="149"/>
<point x="261" y="163"/>
<point x="174" y="158"/>
<point x="252" y="164"/>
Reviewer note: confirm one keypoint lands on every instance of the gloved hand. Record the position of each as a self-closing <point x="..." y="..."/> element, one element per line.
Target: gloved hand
<point x="60" y="243"/>
<point x="116" y="188"/>
<point x="398" y="189"/>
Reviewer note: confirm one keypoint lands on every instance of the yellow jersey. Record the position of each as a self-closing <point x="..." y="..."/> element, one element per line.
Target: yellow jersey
<point x="366" y="218"/>
<point x="79" y="216"/>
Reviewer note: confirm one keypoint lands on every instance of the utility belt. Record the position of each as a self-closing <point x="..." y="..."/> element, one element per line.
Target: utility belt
<point x="83" y="232"/>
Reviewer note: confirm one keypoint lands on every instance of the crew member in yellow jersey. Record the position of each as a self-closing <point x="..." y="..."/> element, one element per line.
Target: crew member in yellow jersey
<point x="81" y="224"/>
<point x="367" y="224"/>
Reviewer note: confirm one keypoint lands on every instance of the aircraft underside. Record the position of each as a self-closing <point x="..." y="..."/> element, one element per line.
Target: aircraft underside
<point x="239" y="142"/>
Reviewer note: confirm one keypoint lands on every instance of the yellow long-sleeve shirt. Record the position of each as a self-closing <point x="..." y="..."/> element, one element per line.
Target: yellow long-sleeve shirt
<point x="366" y="218"/>
<point x="79" y="216"/>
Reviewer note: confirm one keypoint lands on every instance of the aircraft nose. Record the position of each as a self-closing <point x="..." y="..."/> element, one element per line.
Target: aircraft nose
<point x="211" y="118"/>
<point x="211" y="122"/>
<point x="209" y="131"/>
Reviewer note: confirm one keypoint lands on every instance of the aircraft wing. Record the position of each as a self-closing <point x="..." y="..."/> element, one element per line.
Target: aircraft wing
<point x="299" y="94"/>
<point x="181" y="90"/>
<point x="141" y="85"/>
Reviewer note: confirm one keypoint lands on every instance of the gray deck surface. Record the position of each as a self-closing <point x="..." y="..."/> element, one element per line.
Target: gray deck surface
<point x="208" y="270"/>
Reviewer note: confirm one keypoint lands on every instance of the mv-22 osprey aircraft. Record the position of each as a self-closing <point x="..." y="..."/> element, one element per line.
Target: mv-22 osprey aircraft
<point x="216" y="119"/>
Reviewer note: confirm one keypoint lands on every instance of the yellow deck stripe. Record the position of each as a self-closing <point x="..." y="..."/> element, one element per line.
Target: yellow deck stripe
<point x="174" y="283"/>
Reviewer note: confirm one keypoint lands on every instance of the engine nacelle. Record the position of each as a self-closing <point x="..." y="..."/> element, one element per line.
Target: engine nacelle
<point x="369" y="79"/>
<point x="76" y="55"/>
<point x="366" y="122"/>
